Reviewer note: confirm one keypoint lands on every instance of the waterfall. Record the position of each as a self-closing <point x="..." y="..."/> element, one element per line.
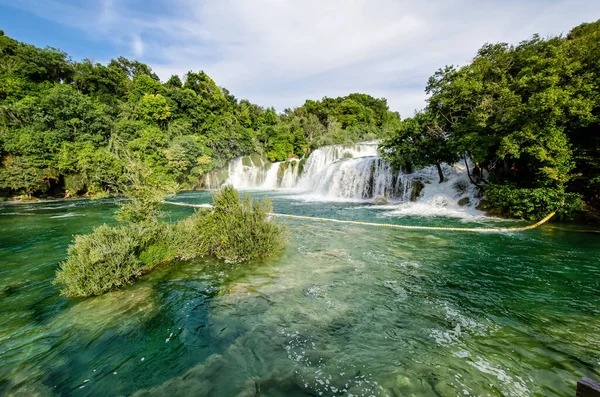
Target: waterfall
<point x="271" y="177"/>
<point x="321" y="158"/>
<point x="354" y="172"/>
<point x="289" y="176"/>
<point x="255" y="172"/>
<point x="244" y="176"/>
<point x="360" y="178"/>
<point x="404" y="186"/>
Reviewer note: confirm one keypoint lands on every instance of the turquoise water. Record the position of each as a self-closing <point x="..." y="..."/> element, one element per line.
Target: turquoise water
<point x="344" y="310"/>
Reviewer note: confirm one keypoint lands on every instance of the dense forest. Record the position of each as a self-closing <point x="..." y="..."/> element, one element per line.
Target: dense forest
<point x="67" y="125"/>
<point x="525" y="117"/>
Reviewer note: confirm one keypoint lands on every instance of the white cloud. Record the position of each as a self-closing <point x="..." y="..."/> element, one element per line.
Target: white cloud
<point x="137" y="45"/>
<point x="281" y="52"/>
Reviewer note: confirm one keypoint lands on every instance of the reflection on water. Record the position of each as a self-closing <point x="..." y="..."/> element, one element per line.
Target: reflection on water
<point x="345" y="310"/>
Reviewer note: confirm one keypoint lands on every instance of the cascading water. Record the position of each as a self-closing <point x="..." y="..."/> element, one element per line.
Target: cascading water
<point x="351" y="173"/>
<point x="271" y="177"/>
<point x="322" y="158"/>
<point x="289" y="173"/>
<point x="361" y="178"/>
<point x="244" y="177"/>
<point x="243" y="173"/>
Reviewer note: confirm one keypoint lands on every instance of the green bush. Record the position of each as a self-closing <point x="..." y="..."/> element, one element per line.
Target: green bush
<point x="185" y="239"/>
<point x="156" y="254"/>
<point x="75" y="183"/>
<point x="234" y="230"/>
<point x="532" y="204"/>
<point x="106" y="259"/>
<point x="238" y="230"/>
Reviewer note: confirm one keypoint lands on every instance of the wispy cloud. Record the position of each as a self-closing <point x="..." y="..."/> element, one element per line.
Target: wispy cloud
<point x="137" y="46"/>
<point x="278" y="52"/>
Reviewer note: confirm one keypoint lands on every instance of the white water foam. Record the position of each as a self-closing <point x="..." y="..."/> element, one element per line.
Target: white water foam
<point x="68" y="215"/>
<point x="512" y="385"/>
<point x="441" y="199"/>
<point x="271" y="177"/>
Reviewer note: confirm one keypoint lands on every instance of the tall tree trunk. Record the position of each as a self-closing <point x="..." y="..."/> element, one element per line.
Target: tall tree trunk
<point x="469" y="173"/>
<point x="440" y="173"/>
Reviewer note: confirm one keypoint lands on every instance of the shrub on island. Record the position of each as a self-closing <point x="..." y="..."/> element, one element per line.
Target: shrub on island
<point x="235" y="230"/>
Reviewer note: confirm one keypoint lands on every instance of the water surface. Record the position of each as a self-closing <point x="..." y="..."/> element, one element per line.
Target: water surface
<point x="344" y="310"/>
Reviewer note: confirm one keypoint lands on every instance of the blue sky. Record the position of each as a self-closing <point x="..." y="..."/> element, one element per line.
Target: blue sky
<point x="281" y="52"/>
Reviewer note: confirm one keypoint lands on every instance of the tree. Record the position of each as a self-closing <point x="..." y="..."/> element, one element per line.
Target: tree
<point x="155" y="108"/>
<point x="174" y="82"/>
<point x="419" y="141"/>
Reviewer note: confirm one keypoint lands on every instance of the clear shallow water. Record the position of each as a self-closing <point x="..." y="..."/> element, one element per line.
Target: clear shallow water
<point x="345" y="310"/>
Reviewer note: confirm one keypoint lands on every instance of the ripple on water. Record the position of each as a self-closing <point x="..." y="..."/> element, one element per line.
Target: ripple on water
<point x="68" y="215"/>
<point x="318" y="377"/>
<point x="397" y="290"/>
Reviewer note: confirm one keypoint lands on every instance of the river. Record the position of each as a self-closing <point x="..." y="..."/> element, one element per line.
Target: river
<point x="344" y="310"/>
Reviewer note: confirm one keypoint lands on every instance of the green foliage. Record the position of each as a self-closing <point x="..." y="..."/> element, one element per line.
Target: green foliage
<point x="234" y="230"/>
<point x="99" y="80"/>
<point x="536" y="203"/>
<point x="280" y="149"/>
<point x="529" y="115"/>
<point x="154" y="107"/>
<point x="18" y="174"/>
<point x="419" y="142"/>
<point x="101" y="261"/>
<point x="185" y="237"/>
<point x="145" y="193"/>
<point x="74" y="183"/>
<point x="238" y="229"/>
<point x="519" y="107"/>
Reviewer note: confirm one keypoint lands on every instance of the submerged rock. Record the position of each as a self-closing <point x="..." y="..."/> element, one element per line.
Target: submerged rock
<point x="314" y="291"/>
<point x="336" y="253"/>
<point x="125" y="308"/>
<point x="380" y="201"/>
<point x="36" y="390"/>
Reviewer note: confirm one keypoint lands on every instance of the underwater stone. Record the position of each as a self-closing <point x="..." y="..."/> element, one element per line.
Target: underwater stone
<point x="380" y="201"/>
<point x="464" y="201"/>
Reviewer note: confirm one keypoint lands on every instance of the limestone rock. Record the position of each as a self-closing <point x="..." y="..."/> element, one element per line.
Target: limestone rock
<point x="464" y="201"/>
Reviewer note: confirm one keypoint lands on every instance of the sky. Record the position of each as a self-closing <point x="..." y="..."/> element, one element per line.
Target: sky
<point x="281" y="52"/>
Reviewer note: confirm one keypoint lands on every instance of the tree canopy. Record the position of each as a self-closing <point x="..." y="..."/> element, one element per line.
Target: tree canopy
<point x="528" y="114"/>
<point x="62" y="120"/>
